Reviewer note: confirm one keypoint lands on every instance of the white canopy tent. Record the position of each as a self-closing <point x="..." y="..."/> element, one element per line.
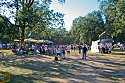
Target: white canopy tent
<point x="30" y="40"/>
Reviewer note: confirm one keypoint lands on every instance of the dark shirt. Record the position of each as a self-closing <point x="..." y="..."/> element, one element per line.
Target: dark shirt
<point x="84" y="49"/>
<point x="79" y="46"/>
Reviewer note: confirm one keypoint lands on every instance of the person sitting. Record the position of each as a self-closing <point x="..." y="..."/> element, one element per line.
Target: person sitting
<point x="21" y="52"/>
<point x="15" y="51"/>
<point x="26" y="50"/>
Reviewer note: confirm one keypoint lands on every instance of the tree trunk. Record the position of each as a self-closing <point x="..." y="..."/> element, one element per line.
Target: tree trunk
<point x="22" y="35"/>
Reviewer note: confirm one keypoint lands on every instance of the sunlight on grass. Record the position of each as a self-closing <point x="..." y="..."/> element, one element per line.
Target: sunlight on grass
<point x="16" y="70"/>
<point x="7" y="53"/>
<point x="113" y="54"/>
<point x="43" y="69"/>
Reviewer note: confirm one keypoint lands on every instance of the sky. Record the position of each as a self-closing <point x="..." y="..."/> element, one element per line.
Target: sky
<point x="73" y="9"/>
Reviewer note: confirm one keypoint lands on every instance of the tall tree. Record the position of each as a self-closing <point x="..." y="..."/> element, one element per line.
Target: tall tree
<point x="87" y="29"/>
<point x="29" y="15"/>
<point x="113" y="11"/>
<point x="7" y="30"/>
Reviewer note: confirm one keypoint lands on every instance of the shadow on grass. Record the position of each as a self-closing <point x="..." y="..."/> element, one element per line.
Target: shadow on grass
<point x="73" y="68"/>
<point x="108" y="61"/>
<point x="118" y="53"/>
<point x="118" y="50"/>
<point x="113" y="63"/>
<point x="21" y="79"/>
<point x="112" y="70"/>
<point x="53" y="69"/>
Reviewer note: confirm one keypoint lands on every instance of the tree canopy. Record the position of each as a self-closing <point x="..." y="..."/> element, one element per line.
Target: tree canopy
<point x="109" y="18"/>
<point x="113" y="11"/>
<point x="19" y="18"/>
<point x="85" y="29"/>
<point x="32" y="15"/>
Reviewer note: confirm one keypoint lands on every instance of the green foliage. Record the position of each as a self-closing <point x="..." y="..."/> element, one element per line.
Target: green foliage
<point x="87" y="29"/>
<point x="34" y="16"/>
<point x="113" y="11"/>
<point x="7" y="31"/>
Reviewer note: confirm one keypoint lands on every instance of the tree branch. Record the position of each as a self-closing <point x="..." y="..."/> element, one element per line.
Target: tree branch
<point x="6" y="19"/>
<point x="30" y="3"/>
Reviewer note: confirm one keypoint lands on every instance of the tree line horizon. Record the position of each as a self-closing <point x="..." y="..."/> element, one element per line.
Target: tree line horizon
<point x="35" y="18"/>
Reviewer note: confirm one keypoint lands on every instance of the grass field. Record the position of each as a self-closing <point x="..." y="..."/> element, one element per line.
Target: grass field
<point x="97" y="68"/>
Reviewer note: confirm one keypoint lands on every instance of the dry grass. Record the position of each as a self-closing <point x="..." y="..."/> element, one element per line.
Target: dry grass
<point x="6" y="53"/>
<point x="98" y="68"/>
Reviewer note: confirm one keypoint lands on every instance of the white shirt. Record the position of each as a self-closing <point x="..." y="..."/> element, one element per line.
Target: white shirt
<point x="46" y="48"/>
<point x="58" y="50"/>
<point x="68" y="48"/>
<point x="0" y="46"/>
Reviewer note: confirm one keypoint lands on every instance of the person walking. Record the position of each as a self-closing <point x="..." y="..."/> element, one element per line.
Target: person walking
<point x="84" y="52"/>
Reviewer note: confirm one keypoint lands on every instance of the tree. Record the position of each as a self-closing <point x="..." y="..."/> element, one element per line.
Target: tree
<point x="28" y="14"/>
<point x="87" y="29"/>
<point x="113" y="11"/>
<point x="7" y="30"/>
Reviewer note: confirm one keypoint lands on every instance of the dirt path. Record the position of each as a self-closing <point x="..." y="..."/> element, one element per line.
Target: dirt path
<point x="43" y="69"/>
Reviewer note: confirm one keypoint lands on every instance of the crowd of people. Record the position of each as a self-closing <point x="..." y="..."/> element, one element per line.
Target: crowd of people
<point x="104" y="48"/>
<point x="60" y="51"/>
<point x="64" y="51"/>
<point x="34" y="48"/>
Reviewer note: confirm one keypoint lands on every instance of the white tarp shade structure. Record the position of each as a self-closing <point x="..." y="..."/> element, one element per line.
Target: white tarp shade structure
<point x="40" y="41"/>
<point x="16" y="40"/>
<point x="94" y="46"/>
<point x="30" y="40"/>
<point x="36" y="41"/>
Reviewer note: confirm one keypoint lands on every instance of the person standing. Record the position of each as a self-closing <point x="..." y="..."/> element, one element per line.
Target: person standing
<point x="64" y="52"/>
<point x="71" y="48"/>
<point x="84" y="51"/>
<point x="34" y="49"/>
<point x="41" y="49"/>
<point x="58" y="52"/>
<point x="1" y="47"/>
<point x="68" y="50"/>
<point x="79" y="47"/>
<point x="46" y="50"/>
<point x="74" y="48"/>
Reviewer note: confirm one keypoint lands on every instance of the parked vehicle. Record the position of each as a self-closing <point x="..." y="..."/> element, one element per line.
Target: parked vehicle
<point x="118" y="45"/>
